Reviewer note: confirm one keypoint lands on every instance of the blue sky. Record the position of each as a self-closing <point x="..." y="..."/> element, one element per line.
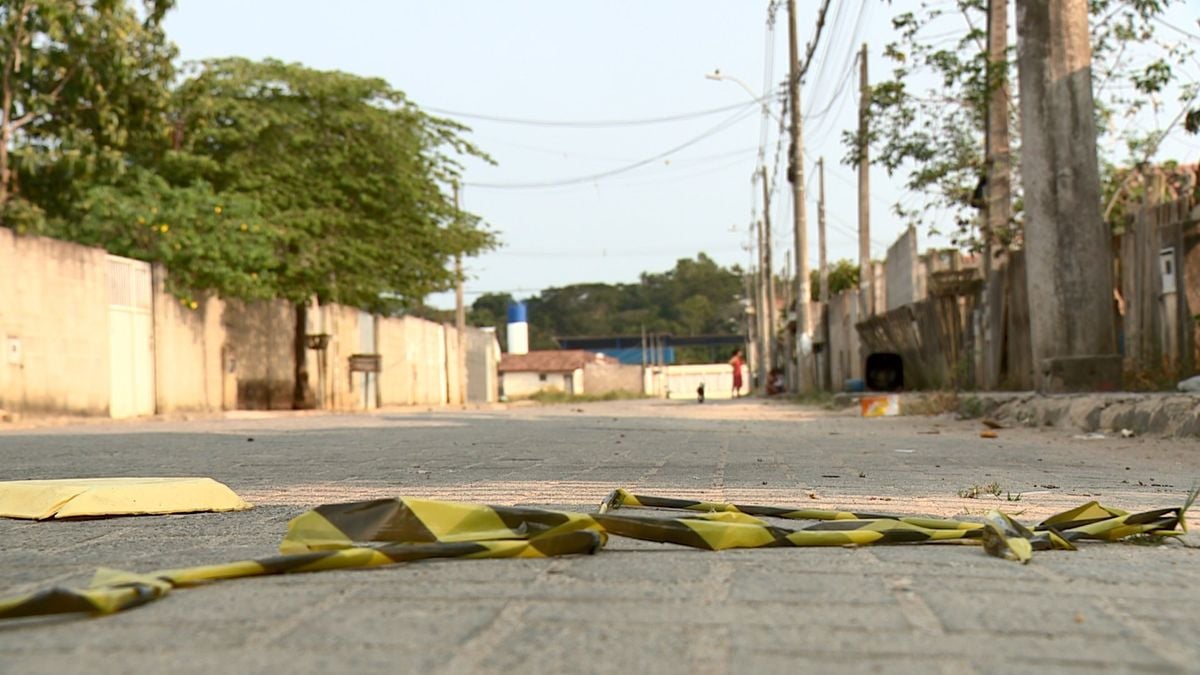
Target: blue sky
<point x="588" y="60"/>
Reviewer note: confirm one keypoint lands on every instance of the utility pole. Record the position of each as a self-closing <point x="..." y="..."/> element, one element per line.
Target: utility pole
<point x="822" y="261"/>
<point x="998" y="195"/>
<point x="823" y="266"/>
<point x="1068" y="249"/>
<point x="764" y="331"/>
<point x="460" y="315"/>
<point x="866" y="276"/>
<point x="769" y="270"/>
<point x="804" y="374"/>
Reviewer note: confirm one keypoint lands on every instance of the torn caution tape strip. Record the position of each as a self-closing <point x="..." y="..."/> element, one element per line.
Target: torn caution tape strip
<point x="391" y="531"/>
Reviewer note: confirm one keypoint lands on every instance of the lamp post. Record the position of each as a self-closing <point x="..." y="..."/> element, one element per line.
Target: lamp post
<point x="764" y="293"/>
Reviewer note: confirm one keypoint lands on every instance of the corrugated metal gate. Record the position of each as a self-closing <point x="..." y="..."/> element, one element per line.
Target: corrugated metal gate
<point x="130" y="337"/>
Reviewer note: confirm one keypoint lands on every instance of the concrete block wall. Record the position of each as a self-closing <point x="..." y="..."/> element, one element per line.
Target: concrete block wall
<point x="343" y="390"/>
<point x="260" y="337"/>
<point x="189" y="351"/>
<point x="845" y="350"/>
<point x="414" y="362"/>
<point x="54" y="330"/>
<point x="54" y="326"/>
<point x="602" y="378"/>
<point x="903" y="281"/>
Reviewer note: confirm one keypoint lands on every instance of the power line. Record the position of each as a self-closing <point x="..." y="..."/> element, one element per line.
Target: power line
<point x="724" y="124"/>
<point x="591" y="124"/>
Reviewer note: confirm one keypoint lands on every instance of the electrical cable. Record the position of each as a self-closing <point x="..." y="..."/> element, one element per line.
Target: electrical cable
<point x="721" y="126"/>
<point x="591" y="124"/>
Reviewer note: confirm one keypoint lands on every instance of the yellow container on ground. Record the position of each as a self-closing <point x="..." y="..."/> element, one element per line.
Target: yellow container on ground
<point x="124" y="496"/>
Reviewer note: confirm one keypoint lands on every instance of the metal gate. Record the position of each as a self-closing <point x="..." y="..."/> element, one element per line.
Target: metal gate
<point x="130" y="337"/>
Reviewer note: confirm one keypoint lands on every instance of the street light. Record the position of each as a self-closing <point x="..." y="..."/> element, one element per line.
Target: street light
<point x="718" y="76"/>
<point x="764" y="292"/>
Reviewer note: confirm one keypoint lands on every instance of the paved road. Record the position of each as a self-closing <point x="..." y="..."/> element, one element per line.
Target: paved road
<point x="634" y="607"/>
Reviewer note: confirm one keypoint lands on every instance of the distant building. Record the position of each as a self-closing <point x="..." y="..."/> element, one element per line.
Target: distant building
<point x="547" y="370"/>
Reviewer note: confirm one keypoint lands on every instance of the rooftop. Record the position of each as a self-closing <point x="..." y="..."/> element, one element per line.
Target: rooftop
<point x="551" y="361"/>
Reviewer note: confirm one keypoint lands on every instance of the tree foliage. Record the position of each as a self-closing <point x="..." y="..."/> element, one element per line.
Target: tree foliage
<point x="928" y="118"/>
<point x="696" y="297"/>
<point x="843" y="276"/>
<point x="83" y="87"/>
<point x="353" y="177"/>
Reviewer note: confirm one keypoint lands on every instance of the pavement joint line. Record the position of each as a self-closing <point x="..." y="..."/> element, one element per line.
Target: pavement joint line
<point x="280" y="629"/>
<point x="478" y="646"/>
<point x="712" y="651"/>
<point x="1167" y="649"/>
<point x="914" y="608"/>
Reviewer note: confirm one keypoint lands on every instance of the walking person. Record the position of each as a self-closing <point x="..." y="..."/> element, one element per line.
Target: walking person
<point x="737" y="362"/>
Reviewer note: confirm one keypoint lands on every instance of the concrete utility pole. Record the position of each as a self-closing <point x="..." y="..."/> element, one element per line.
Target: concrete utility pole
<point x="823" y="266"/>
<point x="804" y="373"/>
<point x="460" y="317"/>
<point x="764" y="333"/>
<point x="866" y="277"/>
<point x="998" y="194"/>
<point x="1067" y="243"/>
<point x="822" y="261"/>
<point x="769" y="271"/>
<point x="999" y="162"/>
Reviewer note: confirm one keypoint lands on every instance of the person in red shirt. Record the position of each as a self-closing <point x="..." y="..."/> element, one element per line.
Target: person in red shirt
<point x="737" y="362"/>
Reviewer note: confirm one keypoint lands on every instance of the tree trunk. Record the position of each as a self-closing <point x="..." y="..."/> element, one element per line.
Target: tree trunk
<point x="300" y="392"/>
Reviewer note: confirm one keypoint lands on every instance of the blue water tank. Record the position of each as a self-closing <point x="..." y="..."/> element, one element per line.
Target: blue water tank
<point x="517" y="313"/>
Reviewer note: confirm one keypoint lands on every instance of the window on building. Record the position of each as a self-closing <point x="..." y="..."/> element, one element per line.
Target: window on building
<point x="541" y="377"/>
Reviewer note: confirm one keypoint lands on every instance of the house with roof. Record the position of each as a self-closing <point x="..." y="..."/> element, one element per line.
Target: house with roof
<point x="548" y="370"/>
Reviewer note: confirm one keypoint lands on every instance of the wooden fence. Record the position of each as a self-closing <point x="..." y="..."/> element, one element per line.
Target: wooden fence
<point x="1158" y="268"/>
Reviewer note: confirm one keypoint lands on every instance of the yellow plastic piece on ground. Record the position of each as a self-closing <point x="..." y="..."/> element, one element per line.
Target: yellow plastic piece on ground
<point x="90" y="497"/>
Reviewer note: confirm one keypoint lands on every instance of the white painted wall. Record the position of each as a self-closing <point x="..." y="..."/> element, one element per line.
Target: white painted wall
<point x="519" y="385"/>
<point x="682" y="381"/>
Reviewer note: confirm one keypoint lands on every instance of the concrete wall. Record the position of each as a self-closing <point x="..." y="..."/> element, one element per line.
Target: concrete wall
<point x="602" y="378"/>
<point x="901" y="273"/>
<point x="682" y="381"/>
<point x="189" y="351"/>
<point x="520" y="385"/>
<point x="846" y="359"/>
<point x="342" y="390"/>
<point x="259" y="338"/>
<point x="414" y="362"/>
<point x="55" y="333"/>
<point x="483" y="357"/>
<point x="54" y="323"/>
<point x="455" y="363"/>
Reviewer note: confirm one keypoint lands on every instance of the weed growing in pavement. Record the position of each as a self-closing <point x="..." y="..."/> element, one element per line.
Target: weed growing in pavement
<point x="554" y="396"/>
<point x="970" y="407"/>
<point x="974" y="491"/>
<point x="1146" y="539"/>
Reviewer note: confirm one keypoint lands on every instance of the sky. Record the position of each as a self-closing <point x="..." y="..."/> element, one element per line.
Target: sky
<point x="583" y="189"/>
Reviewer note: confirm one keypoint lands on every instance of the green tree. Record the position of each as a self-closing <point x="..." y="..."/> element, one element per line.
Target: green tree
<point x="696" y="297"/>
<point x="934" y="133"/>
<point x="84" y="83"/>
<point x="843" y="275"/>
<point x="352" y="176"/>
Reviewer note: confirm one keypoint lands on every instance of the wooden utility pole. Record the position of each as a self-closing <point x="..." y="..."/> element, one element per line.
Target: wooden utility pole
<point x="866" y="276"/>
<point x="803" y="356"/>
<point x="769" y="271"/>
<point x="1068" y="249"/>
<point x="998" y="192"/>
<point x="460" y="315"/>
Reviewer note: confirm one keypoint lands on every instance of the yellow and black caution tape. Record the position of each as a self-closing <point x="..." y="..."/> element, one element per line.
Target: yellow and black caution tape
<point x="391" y="531"/>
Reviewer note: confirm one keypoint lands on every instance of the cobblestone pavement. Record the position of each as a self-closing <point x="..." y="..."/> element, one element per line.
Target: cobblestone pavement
<point x="633" y="607"/>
